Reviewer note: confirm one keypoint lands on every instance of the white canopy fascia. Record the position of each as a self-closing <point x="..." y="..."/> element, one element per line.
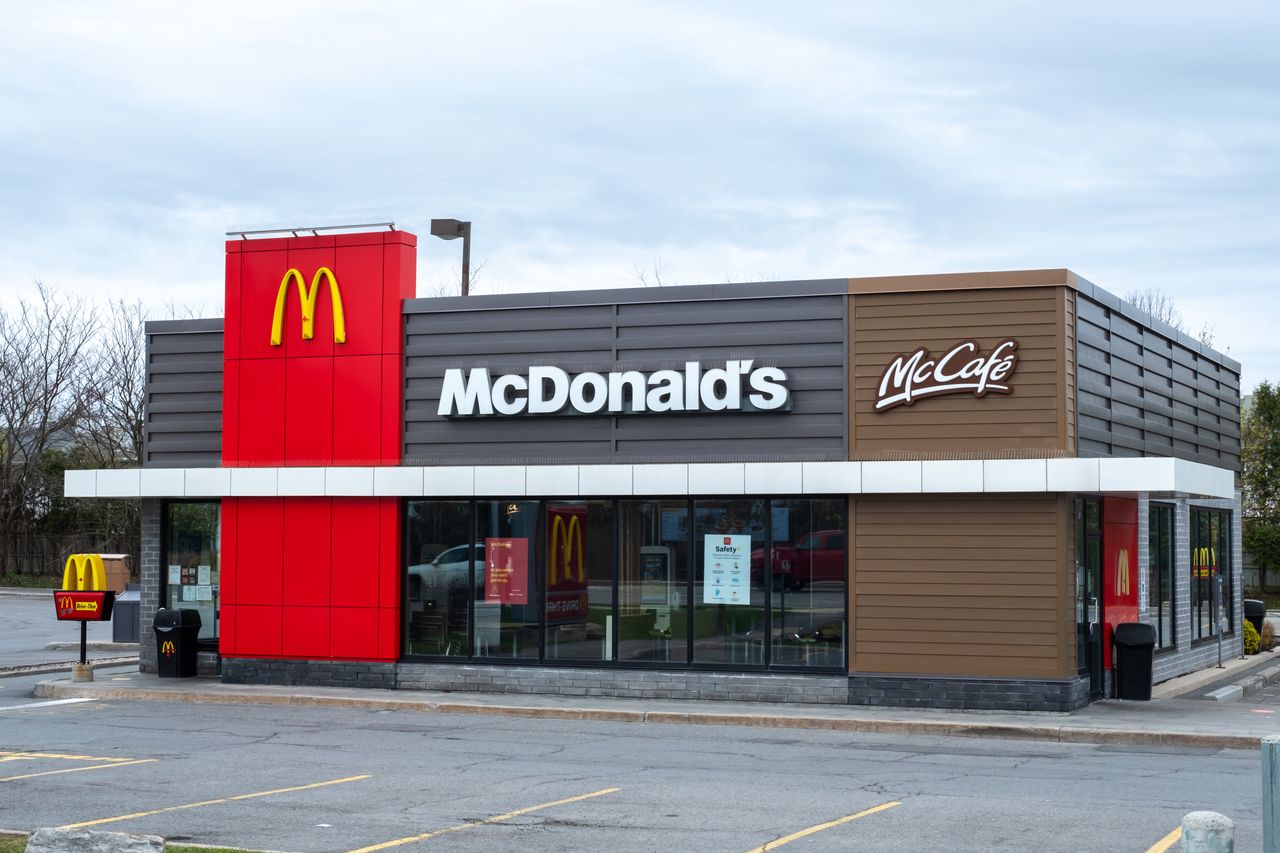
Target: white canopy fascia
<point x="1158" y="475"/>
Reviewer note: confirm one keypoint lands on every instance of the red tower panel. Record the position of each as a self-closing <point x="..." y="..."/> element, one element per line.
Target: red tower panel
<point x="259" y="549"/>
<point x="260" y="427"/>
<point x="307" y="574"/>
<point x="314" y="577"/>
<point x="356" y="561"/>
<point x="308" y="411"/>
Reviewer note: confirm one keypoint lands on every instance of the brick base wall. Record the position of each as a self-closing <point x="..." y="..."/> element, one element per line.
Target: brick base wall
<point x="628" y="683"/>
<point x="1000" y="694"/>
<point x="890" y="691"/>
<point x="309" y="673"/>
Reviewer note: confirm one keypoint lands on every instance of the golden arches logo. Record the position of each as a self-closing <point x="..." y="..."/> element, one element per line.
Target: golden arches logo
<point x="166" y="648"/>
<point x="84" y="572"/>
<point x="565" y="535"/>
<point x="1122" y="572"/>
<point x="307" y="299"/>
<point x="1204" y="562"/>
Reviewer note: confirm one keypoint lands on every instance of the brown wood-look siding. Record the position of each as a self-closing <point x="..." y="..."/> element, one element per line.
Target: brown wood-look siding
<point x="973" y="585"/>
<point x="1030" y="422"/>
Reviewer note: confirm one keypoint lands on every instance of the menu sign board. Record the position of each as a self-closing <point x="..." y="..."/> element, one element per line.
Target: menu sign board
<point x="506" y="571"/>
<point x="727" y="568"/>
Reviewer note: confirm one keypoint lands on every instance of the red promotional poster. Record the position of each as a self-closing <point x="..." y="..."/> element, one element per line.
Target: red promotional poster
<point x="506" y="571"/>
<point x="566" y="564"/>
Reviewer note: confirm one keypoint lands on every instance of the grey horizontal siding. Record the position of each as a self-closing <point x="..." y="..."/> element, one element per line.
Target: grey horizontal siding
<point x="798" y="326"/>
<point x="183" y="418"/>
<point x="1145" y="390"/>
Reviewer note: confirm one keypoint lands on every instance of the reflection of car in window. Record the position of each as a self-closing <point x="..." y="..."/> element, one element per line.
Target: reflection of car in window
<point x="450" y="569"/>
<point x="816" y="556"/>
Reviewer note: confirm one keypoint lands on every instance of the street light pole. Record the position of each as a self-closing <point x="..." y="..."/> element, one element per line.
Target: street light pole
<point x="452" y="229"/>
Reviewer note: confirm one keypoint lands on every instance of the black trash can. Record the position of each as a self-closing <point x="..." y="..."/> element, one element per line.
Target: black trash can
<point x="125" y="616"/>
<point x="1135" y="644"/>
<point x="177" y="634"/>
<point x="1255" y="611"/>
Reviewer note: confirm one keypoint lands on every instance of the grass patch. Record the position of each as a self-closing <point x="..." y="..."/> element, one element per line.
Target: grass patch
<point x="1271" y="598"/>
<point x="10" y="843"/>
<point x="31" y="581"/>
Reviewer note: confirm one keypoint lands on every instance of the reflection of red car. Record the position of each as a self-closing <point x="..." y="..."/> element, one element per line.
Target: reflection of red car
<point x="817" y="556"/>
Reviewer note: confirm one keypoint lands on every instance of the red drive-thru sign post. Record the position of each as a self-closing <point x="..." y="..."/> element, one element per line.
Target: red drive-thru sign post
<point x="84" y="596"/>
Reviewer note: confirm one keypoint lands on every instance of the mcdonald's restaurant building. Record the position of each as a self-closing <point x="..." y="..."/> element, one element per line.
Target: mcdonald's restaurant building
<point x="939" y="490"/>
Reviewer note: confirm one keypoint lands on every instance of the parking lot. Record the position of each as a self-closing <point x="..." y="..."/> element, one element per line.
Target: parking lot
<point x="319" y="779"/>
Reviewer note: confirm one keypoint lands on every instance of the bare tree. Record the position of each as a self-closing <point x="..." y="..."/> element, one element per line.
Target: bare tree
<point x="44" y="347"/>
<point x="111" y="427"/>
<point x="652" y="277"/>
<point x="1164" y="307"/>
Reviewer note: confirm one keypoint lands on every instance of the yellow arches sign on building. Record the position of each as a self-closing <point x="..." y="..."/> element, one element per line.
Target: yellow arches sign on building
<point x="307" y="300"/>
<point x="566" y="535"/>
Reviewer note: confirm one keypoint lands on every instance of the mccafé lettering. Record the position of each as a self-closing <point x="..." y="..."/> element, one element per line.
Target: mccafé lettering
<point x="913" y="376"/>
<point x="547" y="390"/>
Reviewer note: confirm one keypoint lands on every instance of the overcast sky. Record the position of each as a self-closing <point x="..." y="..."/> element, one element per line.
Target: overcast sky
<point x="1137" y="144"/>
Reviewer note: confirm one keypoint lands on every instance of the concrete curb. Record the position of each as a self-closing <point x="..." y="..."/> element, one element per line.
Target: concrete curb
<point x="944" y="728"/>
<point x="62" y="666"/>
<point x="93" y="646"/>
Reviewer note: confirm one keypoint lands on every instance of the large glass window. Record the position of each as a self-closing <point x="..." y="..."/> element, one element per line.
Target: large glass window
<point x="729" y="583"/>
<point x="809" y="564"/>
<point x="653" y="581"/>
<point x="579" y="577"/>
<point x="442" y="552"/>
<point x="1089" y="589"/>
<point x="1211" y="588"/>
<point x="193" y="540"/>
<point x="728" y="610"/>
<point x="1160" y="573"/>
<point x="507" y="603"/>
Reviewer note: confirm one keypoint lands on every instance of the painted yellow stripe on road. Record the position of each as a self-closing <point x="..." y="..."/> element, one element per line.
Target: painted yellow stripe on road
<point x="216" y="802"/>
<point x="776" y="843"/>
<point x="27" y="756"/>
<point x="1168" y="841"/>
<point x="109" y="766"/>
<point x="487" y="821"/>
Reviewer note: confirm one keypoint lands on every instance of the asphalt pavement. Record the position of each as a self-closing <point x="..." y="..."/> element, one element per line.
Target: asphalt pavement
<point x="33" y="639"/>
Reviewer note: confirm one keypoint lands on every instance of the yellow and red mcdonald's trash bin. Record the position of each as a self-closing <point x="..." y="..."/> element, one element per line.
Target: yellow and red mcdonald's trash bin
<point x="1135" y="644"/>
<point x="177" y="634"/>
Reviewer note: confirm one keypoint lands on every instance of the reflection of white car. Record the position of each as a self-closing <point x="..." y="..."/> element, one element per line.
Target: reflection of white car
<point x="450" y="569"/>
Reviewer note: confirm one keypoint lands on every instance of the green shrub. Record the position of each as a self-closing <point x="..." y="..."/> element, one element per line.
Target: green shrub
<point x="1252" y="642"/>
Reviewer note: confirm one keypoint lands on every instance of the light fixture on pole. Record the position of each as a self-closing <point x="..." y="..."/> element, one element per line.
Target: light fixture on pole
<point x="452" y="229"/>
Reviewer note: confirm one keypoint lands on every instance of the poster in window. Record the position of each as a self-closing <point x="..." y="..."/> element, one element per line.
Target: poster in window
<point x="655" y="575"/>
<point x="726" y="565"/>
<point x="506" y="570"/>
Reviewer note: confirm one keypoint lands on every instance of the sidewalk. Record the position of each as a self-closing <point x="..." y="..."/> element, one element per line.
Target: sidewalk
<point x="1160" y="722"/>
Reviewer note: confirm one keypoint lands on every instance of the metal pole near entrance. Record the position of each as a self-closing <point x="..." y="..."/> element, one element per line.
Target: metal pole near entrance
<point x="1271" y="794"/>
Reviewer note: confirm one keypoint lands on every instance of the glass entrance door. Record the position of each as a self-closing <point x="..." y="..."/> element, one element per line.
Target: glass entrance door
<point x="1089" y="591"/>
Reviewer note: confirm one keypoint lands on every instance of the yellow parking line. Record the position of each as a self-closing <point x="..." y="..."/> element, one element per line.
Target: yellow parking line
<point x="28" y="756"/>
<point x="487" y="821"/>
<point x="125" y="763"/>
<point x="1168" y="841"/>
<point x="218" y="801"/>
<point x="773" y="845"/>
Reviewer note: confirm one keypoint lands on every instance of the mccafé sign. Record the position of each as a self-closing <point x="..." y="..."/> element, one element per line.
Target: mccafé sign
<point x="739" y="386"/>
<point x="960" y="370"/>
